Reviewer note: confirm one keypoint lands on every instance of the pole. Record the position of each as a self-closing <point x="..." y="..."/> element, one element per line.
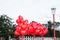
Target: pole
<point x="54" y="27"/>
<point x="22" y="37"/>
<point x="53" y="11"/>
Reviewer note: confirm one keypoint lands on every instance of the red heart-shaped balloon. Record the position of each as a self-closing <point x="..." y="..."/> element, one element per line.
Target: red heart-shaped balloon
<point x="26" y="22"/>
<point x="16" y="33"/>
<point x="20" y="17"/>
<point x="23" y="32"/>
<point x="18" y="28"/>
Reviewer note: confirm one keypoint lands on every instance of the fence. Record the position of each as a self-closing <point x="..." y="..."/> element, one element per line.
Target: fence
<point x="31" y="38"/>
<point x="37" y="38"/>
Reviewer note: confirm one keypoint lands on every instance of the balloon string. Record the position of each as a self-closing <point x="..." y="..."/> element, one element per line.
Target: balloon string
<point x="42" y="38"/>
<point x="22" y="37"/>
<point x="34" y="37"/>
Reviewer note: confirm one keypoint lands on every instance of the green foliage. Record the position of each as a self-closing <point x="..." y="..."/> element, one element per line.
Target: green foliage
<point x="6" y="26"/>
<point x="49" y="24"/>
<point x="51" y="31"/>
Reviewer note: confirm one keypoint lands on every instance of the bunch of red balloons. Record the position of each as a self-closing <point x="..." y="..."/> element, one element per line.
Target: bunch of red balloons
<point x="26" y="28"/>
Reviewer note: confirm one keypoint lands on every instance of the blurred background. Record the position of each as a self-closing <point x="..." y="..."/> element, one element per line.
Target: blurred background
<point x="33" y="10"/>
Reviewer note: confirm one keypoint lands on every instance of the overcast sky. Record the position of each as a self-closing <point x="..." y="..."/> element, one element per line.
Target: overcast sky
<point x="37" y="10"/>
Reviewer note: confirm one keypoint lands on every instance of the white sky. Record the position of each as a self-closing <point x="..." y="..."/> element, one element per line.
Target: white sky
<point x="37" y="10"/>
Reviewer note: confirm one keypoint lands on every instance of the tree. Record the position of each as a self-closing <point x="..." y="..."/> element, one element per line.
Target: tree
<point x="5" y="25"/>
<point x="50" y="31"/>
<point x="11" y="31"/>
<point x="49" y="24"/>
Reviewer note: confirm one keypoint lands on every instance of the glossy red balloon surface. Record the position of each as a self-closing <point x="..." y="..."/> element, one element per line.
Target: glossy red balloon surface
<point x="33" y="28"/>
<point x="16" y="33"/>
<point x="20" y="17"/>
